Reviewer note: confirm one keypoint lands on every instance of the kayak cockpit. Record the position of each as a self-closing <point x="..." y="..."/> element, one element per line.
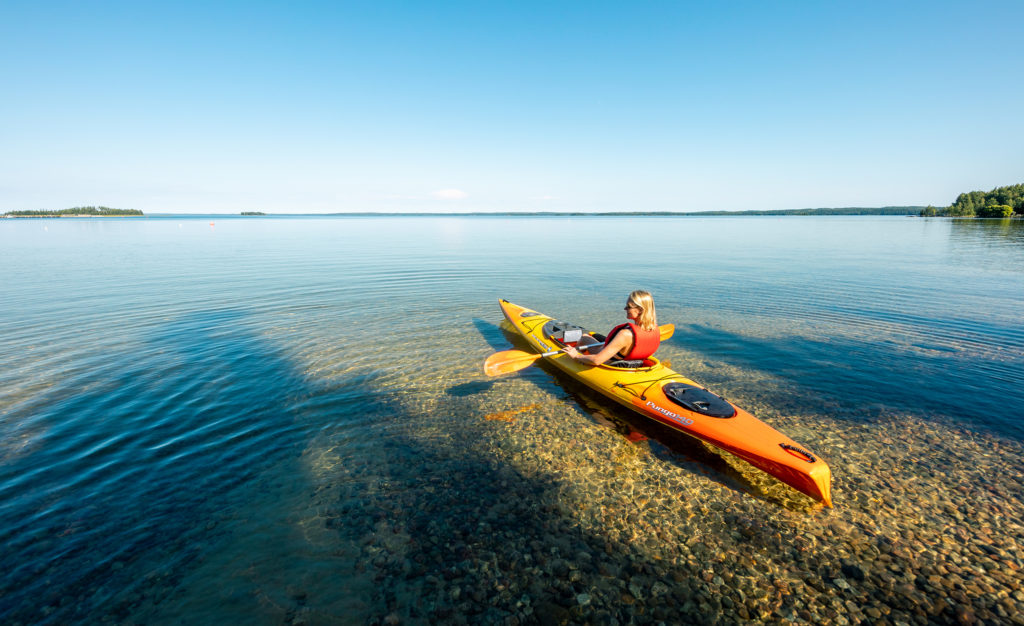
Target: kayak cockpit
<point x="569" y="334"/>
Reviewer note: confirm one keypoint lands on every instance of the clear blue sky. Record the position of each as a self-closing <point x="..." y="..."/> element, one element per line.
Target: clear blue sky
<point x="188" y="107"/>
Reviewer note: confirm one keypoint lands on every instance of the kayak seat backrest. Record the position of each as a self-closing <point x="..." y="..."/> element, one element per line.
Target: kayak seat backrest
<point x="631" y="363"/>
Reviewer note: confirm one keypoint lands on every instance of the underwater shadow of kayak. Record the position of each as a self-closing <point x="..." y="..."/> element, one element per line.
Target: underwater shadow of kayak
<point x="470" y="389"/>
<point x="494" y="334"/>
<point x="668" y="445"/>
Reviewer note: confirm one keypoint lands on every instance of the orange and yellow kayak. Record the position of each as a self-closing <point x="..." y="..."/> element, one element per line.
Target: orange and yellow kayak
<point x="656" y="391"/>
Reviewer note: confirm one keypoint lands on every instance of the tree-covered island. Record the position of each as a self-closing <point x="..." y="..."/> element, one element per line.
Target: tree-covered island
<point x="81" y="211"/>
<point x="1000" y="202"/>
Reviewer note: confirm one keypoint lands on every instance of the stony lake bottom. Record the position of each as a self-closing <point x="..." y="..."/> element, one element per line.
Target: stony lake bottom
<point x="285" y="420"/>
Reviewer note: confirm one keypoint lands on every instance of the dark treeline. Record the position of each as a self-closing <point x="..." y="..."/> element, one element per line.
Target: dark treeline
<point x="99" y="211"/>
<point x="1000" y="202"/>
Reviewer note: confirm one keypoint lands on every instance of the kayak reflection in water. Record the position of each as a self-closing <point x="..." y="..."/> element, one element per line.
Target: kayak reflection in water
<point x="636" y="339"/>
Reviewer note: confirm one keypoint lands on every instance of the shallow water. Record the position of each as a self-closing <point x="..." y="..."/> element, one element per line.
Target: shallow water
<point x="285" y="420"/>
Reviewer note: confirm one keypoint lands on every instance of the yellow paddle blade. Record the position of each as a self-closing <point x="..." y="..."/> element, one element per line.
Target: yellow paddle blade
<point x="667" y="330"/>
<point x="508" y="361"/>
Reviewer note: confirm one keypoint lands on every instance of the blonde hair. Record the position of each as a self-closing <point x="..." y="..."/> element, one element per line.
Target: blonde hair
<point x="648" y="318"/>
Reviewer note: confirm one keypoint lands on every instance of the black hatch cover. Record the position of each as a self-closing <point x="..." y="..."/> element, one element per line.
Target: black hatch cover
<point x="698" y="400"/>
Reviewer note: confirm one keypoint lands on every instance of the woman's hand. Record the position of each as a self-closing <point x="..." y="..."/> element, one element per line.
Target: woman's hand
<point x="572" y="352"/>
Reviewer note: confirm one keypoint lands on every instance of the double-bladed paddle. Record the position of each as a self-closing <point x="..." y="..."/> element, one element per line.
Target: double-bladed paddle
<point x="508" y="361"/>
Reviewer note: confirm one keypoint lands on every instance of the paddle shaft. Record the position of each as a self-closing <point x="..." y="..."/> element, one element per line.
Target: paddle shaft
<point x="580" y="348"/>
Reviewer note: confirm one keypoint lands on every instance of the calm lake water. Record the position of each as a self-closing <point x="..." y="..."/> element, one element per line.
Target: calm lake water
<point x="284" y="420"/>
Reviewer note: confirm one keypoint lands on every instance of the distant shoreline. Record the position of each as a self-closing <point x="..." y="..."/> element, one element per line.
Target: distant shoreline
<point x="852" y="211"/>
<point x="843" y="211"/>
<point x="902" y="211"/>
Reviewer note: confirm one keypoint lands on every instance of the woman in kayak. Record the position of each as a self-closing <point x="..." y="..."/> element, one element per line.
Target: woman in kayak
<point x="636" y="339"/>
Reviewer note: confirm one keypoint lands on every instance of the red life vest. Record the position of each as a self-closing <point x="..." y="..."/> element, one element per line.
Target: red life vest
<point x="645" y="342"/>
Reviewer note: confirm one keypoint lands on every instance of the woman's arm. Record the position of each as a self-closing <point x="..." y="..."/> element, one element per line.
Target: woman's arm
<point x="621" y="341"/>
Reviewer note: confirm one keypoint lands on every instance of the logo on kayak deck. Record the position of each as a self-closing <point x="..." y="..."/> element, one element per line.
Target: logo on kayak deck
<point x="685" y="421"/>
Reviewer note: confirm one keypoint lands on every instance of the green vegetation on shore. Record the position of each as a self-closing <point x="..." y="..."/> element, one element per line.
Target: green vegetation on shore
<point x="1000" y="202"/>
<point x="253" y="213"/>
<point x="89" y="211"/>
